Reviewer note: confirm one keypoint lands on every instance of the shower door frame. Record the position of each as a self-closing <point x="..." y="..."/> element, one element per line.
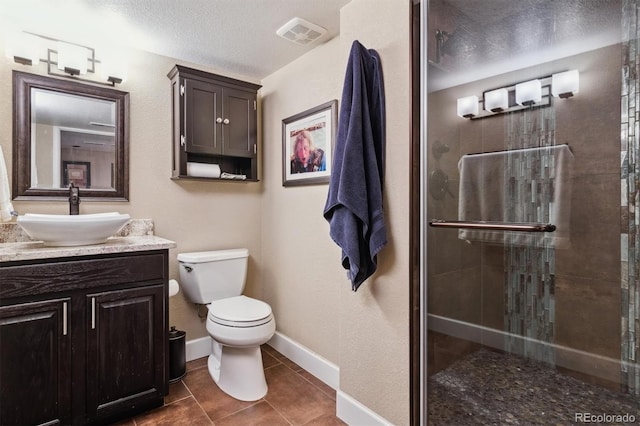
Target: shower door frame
<point x="418" y="209"/>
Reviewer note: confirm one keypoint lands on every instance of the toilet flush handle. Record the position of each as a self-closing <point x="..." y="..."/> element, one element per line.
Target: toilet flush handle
<point x="187" y="268"/>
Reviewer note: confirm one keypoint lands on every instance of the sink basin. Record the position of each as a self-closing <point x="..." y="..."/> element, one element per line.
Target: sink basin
<point x="72" y="230"/>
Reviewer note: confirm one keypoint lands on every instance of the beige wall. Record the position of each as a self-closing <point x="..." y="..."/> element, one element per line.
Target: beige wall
<point x="294" y="264"/>
<point x="365" y="333"/>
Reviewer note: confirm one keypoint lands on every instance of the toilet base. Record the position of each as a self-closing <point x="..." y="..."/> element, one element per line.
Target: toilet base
<point x="238" y="372"/>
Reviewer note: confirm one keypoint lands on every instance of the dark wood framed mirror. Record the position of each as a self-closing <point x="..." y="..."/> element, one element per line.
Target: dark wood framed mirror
<point x="57" y="123"/>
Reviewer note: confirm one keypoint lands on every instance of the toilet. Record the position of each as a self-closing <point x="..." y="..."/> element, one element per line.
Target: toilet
<point x="237" y="324"/>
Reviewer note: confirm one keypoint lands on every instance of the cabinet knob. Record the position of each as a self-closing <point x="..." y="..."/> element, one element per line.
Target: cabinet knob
<point x="226" y="121"/>
<point x="218" y="120"/>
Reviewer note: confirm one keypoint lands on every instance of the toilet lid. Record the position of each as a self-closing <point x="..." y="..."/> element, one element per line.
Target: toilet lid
<point x="239" y="309"/>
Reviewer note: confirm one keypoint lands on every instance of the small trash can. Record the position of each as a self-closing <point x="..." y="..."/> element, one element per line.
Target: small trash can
<point x="177" y="356"/>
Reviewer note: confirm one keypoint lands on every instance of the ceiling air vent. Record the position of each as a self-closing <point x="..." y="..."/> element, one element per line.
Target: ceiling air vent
<point x="300" y="31"/>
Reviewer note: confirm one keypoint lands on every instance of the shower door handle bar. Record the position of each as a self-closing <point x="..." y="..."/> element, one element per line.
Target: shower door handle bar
<point x="493" y="226"/>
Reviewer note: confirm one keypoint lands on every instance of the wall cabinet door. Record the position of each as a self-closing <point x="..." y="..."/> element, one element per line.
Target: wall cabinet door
<point x="239" y="123"/>
<point x="203" y="117"/>
<point x="125" y="350"/>
<point x="35" y="363"/>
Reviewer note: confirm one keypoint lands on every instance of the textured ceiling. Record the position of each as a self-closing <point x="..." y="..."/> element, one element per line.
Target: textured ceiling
<point x="237" y="36"/>
<point x="489" y="37"/>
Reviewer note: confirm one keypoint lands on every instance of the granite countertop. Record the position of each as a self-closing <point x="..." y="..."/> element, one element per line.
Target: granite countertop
<point x="137" y="235"/>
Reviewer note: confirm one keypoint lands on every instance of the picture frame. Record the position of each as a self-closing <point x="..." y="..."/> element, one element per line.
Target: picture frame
<point x="78" y="172"/>
<point x="308" y="142"/>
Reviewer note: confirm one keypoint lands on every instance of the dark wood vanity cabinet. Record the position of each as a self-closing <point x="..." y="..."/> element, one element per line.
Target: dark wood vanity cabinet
<point x="35" y="363"/>
<point x="83" y="340"/>
<point x="123" y="342"/>
<point x="214" y="121"/>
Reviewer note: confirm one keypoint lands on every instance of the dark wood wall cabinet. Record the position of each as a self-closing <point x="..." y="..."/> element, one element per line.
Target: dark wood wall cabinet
<point x="214" y="122"/>
<point x="84" y="339"/>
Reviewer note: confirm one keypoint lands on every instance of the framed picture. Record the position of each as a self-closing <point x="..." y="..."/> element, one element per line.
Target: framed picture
<point x="78" y="172"/>
<point x="308" y="141"/>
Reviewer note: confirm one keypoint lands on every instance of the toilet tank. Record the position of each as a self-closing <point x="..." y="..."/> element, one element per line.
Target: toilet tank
<point x="206" y="276"/>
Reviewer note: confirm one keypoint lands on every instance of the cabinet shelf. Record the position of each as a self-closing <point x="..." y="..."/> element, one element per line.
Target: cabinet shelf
<point x="212" y="179"/>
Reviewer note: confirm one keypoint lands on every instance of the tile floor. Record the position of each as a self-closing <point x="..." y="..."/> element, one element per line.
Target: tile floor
<point x="295" y="397"/>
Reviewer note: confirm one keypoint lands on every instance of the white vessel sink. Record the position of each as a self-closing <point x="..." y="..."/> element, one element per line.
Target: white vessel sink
<point x="72" y="230"/>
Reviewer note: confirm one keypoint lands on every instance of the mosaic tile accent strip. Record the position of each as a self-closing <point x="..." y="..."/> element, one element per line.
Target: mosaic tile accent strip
<point x="530" y="270"/>
<point x="630" y="198"/>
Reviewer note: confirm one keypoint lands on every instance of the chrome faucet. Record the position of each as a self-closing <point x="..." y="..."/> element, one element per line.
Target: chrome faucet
<point x="74" y="199"/>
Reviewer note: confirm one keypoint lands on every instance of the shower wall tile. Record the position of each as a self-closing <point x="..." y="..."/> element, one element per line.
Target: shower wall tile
<point x="591" y="119"/>
<point x="444" y="350"/>
<point x="470" y="137"/>
<point x="595" y="211"/>
<point x="448" y="253"/>
<point x="578" y="302"/>
<point x="493" y="134"/>
<point x="493" y="296"/>
<point x="447" y="132"/>
<point x="456" y="295"/>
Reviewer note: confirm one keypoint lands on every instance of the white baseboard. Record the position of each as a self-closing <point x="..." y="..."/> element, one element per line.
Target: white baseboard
<point x="348" y="409"/>
<point x="197" y="348"/>
<point x="320" y="367"/>
<point x="354" y="413"/>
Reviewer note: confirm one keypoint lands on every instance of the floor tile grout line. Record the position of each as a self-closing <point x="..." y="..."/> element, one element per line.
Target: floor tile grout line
<point x="196" y="400"/>
<point x="316" y="386"/>
<point x="279" y="413"/>
<point x="203" y="410"/>
<point x="279" y="361"/>
<point x="245" y="408"/>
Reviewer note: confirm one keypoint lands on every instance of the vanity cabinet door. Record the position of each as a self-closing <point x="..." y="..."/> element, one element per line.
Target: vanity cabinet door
<point x="126" y="347"/>
<point x="239" y="123"/>
<point x="35" y="363"/>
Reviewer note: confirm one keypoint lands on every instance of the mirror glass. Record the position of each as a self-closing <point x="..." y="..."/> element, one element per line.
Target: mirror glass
<point x="68" y="132"/>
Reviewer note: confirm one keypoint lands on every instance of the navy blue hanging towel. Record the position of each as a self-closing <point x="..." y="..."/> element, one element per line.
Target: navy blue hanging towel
<point x="354" y="203"/>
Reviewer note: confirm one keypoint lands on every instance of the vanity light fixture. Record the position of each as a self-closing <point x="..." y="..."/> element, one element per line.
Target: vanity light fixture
<point x="468" y="106"/>
<point x="73" y="59"/>
<point x="528" y="94"/>
<point x="496" y="100"/>
<point x="23" y="48"/>
<point x="565" y="84"/>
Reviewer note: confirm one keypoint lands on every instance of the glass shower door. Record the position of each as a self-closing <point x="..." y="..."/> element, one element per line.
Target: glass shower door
<point x="533" y="269"/>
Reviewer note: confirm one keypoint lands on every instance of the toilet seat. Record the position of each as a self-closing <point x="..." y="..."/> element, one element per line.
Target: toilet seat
<point x="239" y="311"/>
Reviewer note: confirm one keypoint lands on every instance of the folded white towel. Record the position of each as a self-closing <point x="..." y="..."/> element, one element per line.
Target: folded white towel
<point x="226" y="175"/>
<point x="5" y="193"/>
<point x="531" y="185"/>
